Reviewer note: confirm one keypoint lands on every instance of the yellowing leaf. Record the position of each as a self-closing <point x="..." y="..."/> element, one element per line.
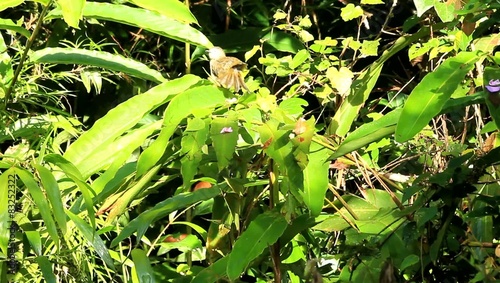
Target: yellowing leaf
<point x="370" y="47"/>
<point x="341" y="79"/>
<point x="372" y="2"/>
<point x="350" y="12"/>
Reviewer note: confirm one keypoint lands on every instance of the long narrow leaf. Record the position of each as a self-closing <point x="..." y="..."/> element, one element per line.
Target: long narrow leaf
<point x="143" y="19"/>
<point x="96" y="58"/>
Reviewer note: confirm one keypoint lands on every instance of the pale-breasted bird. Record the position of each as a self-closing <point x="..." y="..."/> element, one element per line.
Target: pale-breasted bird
<point x="227" y="70"/>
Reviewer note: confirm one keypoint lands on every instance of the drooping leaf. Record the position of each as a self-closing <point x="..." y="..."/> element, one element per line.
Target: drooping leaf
<point x="96" y="58"/>
<point x="141" y="18"/>
<point x="10" y="25"/>
<point x="193" y="140"/>
<point x="72" y="11"/>
<point x="173" y="9"/>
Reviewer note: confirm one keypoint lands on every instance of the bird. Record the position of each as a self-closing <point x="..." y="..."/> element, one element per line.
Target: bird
<point x="227" y="70"/>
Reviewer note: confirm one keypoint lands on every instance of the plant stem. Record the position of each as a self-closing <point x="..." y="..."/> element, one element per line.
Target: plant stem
<point x="19" y="67"/>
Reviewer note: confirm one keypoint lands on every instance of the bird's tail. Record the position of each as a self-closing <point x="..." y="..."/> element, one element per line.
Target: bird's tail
<point x="233" y="78"/>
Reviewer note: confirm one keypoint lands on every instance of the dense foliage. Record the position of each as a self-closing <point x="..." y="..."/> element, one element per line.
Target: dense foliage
<point x="365" y="149"/>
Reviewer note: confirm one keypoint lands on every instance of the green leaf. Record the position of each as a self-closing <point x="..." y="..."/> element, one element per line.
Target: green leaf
<point x="35" y="241"/>
<point x="195" y="99"/>
<point x="445" y="11"/>
<point x="213" y="273"/>
<point x="351" y="12"/>
<point x="144" y="19"/>
<point x="162" y="209"/>
<point x="224" y="135"/>
<point x="4" y="4"/>
<point x="46" y="267"/>
<point x="423" y="5"/>
<point x="40" y="201"/>
<point x="101" y="59"/>
<point x="430" y="95"/>
<point x="262" y="232"/>
<point x="54" y="195"/>
<point x="173" y="9"/>
<point x="299" y="58"/>
<point x="72" y="11"/>
<point x="122" y="118"/>
<point x="282" y="41"/>
<point x="368" y="133"/>
<point x="193" y="140"/>
<point x="93" y="239"/>
<point x="8" y="24"/>
<point x="142" y="266"/>
<point x="316" y="178"/>
<point x="72" y="172"/>
<point x="370" y="47"/>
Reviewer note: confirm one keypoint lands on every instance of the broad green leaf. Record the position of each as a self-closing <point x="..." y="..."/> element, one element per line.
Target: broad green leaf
<point x="299" y="58"/>
<point x="93" y="239"/>
<point x="8" y="189"/>
<point x="282" y="41"/>
<point x="123" y="117"/>
<point x="430" y="95"/>
<point x="262" y="232"/>
<point x="173" y="9"/>
<point x="370" y="47"/>
<point x="4" y="4"/>
<point x="445" y="10"/>
<point x="162" y="209"/>
<point x="423" y="5"/>
<point x="213" y="273"/>
<point x="119" y="149"/>
<point x="350" y="12"/>
<point x="101" y="59"/>
<point x="316" y="178"/>
<point x="224" y="135"/>
<point x="195" y="99"/>
<point x="368" y="133"/>
<point x="46" y="267"/>
<point x="54" y="195"/>
<point x="142" y="266"/>
<point x="292" y="106"/>
<point x="144" y="19"/>
<point x="72" y="11"/>
<point x="193" y="140"/>
<point x="363" y="85"/>
<point x="8" y="24"/>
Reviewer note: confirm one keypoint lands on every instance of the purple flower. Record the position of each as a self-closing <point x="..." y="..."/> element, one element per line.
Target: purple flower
<point x="493" y="85"/>
<point x="226" y="130"/>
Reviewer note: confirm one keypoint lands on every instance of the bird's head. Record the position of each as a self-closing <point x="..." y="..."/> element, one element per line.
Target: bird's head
<point x="216" y="53"/>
